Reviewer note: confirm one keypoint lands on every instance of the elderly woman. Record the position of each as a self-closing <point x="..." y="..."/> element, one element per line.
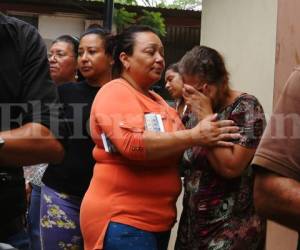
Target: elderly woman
<point x="218" y="210"/>
<point x="130" y="203"/>
<point x="63" y="59"/>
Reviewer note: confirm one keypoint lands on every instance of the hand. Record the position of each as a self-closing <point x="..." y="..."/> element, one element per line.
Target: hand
<point x="199" y="103"/>
<point x="28" y="189"/>
<point x="210" y="132"/>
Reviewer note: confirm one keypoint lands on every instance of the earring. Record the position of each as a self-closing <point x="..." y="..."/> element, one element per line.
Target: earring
<point x="76" y="76"/>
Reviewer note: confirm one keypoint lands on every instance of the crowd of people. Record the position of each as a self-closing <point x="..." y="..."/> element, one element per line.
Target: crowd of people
<point x="110" y="152"/>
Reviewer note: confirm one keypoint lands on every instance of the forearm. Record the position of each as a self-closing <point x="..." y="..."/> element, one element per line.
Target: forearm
<point x="278" y="198"/>
<point x="30" y="144"/>
<point x="161" y="145"/>
<point x="230" y="162"/>
<point x="221" y="159"/>
<point x="139" y="144"/>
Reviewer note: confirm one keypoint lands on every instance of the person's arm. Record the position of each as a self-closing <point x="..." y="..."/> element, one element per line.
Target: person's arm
<point x="30" y="144"/>
<point x="277" y="160"/>
<point x="277" y="198"/>
<point x="208" y="132"/>
<point x="123" y="123"/>
<point x="230" y="162"/>
<point x="33" y="142"/>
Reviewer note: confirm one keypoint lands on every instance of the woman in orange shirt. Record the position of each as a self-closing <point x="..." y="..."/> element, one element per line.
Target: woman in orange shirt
<point x="130" y="203"/>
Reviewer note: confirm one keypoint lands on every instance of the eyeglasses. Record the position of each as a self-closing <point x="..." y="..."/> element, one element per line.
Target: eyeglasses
<point x="59" y="55"/>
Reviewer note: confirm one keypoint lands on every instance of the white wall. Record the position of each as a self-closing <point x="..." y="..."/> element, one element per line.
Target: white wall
<point x="244" y="31"/>
<point x="51" y="27"/>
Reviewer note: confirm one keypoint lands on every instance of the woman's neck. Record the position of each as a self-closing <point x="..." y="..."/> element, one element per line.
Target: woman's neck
<point x="229" y="98"/>
<point x="62" y="81"/>
<point x="100" y="80"/>
<point x="135" y="85"/>
<point x="180" y="106"/>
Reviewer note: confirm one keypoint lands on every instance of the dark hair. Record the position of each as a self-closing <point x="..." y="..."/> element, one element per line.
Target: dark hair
<point x="206" y="63"/>
<point x="74" y="41"/>
<point x="94" y="26"/>
<point x="124" y="42"/>
<point x="102" y="33"/>
<point x="174" y="67"/>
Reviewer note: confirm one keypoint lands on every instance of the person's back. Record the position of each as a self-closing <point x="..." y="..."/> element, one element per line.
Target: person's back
<point x="25" y="89"/>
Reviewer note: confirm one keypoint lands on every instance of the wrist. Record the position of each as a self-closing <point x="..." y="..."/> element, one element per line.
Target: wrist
<point x="195" y="137"/>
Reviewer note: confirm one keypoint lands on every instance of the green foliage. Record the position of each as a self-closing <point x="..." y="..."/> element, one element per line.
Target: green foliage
<point x="176" y="4"/>
<point x="154" y="20"/>
<point x="127" y="2"/>
<point x="123" y="18"/>
<point x="186" y="4"/>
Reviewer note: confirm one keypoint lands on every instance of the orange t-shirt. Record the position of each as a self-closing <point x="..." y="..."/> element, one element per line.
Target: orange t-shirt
<point x="126" y="187"/>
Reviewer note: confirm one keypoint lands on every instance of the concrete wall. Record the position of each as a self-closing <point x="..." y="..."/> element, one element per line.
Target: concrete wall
<point x="51" y="27"/>
<point x="245" y="33"/>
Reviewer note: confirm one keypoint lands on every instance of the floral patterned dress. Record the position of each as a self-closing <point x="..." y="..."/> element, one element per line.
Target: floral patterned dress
<point x="218" y="213"/>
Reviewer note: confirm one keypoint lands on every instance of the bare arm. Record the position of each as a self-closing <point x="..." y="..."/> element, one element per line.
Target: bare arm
<point x="30" y="144"/>
<point x="230" y="162"/>
<point x="207" y="133"/>
<point x="278" y="198"/>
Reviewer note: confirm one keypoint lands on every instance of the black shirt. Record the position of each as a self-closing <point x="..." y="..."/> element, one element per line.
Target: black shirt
<point x="25" y="92"/>
<point x="73" y="175"/>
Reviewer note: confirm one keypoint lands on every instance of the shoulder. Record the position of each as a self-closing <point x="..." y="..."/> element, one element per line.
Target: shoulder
<point x="293" y="83"/>
<point x="247" y="110"/>
<point x="117" y="87"/>
<point x="21" y="32"/>
<point x="75" y="89"/>
<point x="66" y="87"/>
<point x="20" y="27"/>
<point x="245" y="97"/>
<point x="248" y="101"/>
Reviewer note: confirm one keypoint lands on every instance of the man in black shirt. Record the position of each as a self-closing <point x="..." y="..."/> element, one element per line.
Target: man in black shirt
<point x="27" y="110"/>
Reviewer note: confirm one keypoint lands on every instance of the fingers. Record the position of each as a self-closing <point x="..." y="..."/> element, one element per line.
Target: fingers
<point x="224" y="123"/>
<point x="189" y="89"/>
<point x="228" y="137"/>
<point x="213" y="118"/>
<point x="229" y="129"/>
<point x="225" y="144"/>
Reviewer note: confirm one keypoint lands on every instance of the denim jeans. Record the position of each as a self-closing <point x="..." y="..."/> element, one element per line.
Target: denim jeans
<point x="34" y="218"/>
<point x="123" y="237"/>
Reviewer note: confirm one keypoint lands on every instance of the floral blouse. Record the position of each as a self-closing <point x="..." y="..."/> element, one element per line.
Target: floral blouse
<point x="218" y="213"/>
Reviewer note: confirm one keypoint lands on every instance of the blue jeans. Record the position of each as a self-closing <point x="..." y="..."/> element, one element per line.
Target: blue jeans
<point x="34" y="218"/>
<point x="123" y="237"/>
<point x="19" y="240"/>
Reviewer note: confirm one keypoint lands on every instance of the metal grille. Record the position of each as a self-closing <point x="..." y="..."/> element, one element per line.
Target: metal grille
<point x="180" y="39"/>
